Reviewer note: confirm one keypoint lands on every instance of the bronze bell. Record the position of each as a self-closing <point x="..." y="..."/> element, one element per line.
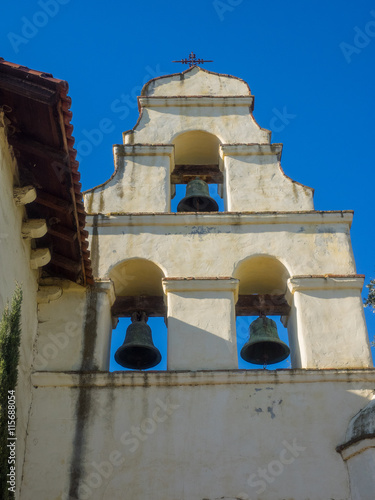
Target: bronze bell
<point x="138" y="351"/>
<point x="197" y="198"/>
<point x="264" y="346"/>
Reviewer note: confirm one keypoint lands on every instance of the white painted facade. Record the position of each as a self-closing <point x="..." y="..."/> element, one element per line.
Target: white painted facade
<point x="15" y="255"/>
<point x="202" y="430"/>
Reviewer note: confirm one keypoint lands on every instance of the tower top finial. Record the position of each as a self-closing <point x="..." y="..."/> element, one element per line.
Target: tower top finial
<point x="192" y="60"/>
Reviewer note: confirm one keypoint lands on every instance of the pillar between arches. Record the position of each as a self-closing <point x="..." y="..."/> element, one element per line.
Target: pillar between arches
<point x="327" y="327"/>
<point x="201" y="323"/>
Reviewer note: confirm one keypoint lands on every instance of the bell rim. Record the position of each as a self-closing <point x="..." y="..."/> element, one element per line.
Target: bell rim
<point x="154" y="349"/>
<point x="203" y="196"/>
<point x="276" y="341"/>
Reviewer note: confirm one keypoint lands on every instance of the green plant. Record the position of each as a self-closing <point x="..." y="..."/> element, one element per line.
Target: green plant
<point x="10" y="337"/>
<point x="370" y="301"/>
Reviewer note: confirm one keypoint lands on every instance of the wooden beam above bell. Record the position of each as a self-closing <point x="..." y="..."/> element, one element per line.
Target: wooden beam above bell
<point x="270" y="305"/>
<point x="182" y="174"/>
<point x="153" y="306"/>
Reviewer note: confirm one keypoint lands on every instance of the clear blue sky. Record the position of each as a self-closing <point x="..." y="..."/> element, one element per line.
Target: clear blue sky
<point x="312" y="63"/>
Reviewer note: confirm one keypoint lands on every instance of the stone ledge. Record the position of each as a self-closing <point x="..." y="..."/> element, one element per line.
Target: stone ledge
<point x="143" y="150"/>
<point x="204" y="377"/>
<point x="196" y="100"/>
<point x="201" y="284"/>
<point x="220" y="219"/>
<point x="251" y="150"/>
<point x="326" y="282"/>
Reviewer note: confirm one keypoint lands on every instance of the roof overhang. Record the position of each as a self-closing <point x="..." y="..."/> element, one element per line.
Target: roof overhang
<point x="36" y="107"/>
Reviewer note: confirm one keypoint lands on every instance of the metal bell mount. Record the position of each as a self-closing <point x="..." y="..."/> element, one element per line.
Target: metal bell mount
<point x="197" y="198"/>
<point x="138" y="351"/>
<point x="264" y="346"/>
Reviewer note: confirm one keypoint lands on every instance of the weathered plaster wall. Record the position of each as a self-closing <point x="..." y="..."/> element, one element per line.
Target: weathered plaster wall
<point x="15" y="267"/>
<point x="192" y="435"/>
<point x="214" y="245"/>
<point x="362" y="478"/>
<point x="196" y="81"/>
<point x="257" y="183"/>
<point x="330" y="323"/>
<point x="75" y="330"/>
<point x="141" y="182"/>
<point x="201" y="324"/>
<point x="161" y="124"/>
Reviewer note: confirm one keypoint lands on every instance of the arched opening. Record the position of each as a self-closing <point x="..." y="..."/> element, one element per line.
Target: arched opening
<point x="197" y="155"/>
<point x="262" y="288"/>
<point x="138" y="289"/>
<point x="262" y="274"/>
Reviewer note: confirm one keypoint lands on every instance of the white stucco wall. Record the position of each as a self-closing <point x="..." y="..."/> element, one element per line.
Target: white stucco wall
<point x="362" y="474"/>
<point x="230" y="123"/>
<point x="214" y="244"/>
<point x="141" y="182"/>
<point x="15" y="267"/>
<point x="80" y="340"/>
<point x="254" y="181"/>
<point x="330" y="324"/>
<point x="193" y="435"/>
<point x="196" y="81"/>
<point x="201" y="323"/>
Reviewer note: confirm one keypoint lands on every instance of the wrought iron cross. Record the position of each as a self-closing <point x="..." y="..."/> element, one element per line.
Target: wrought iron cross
<point x="192" y="60"/>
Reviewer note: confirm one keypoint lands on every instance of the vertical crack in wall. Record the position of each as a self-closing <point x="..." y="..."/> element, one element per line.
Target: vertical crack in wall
<point x="83" y="403"/>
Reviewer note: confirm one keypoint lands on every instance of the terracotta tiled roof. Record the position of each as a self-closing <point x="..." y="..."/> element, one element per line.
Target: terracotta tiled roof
<point x="37" y="107"/>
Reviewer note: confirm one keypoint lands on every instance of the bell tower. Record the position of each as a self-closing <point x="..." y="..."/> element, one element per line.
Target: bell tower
<point x="202" y="428"/>
<point x="267" y="250"/>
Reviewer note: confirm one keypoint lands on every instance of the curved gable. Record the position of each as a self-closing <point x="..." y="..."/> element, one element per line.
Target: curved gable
<point x="196" y="81"/>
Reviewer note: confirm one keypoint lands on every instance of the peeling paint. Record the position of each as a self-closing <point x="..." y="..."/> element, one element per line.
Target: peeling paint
<point x="271" y="412"/>
<point x="204" y="230"/>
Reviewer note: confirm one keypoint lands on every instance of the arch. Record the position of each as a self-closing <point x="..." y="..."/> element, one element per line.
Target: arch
<point x="135" y="277"/>
<point x="196" y="147"/>
<point x="261" y="274"/>
<point x="140" y="278"/>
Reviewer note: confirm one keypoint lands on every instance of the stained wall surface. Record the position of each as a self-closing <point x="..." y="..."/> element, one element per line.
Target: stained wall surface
<point x="203" y="430"/>
<point x="15" y="268"/>
<point x="192" y="435"/>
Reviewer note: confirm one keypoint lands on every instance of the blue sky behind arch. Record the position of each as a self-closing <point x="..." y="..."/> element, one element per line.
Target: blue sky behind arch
<point x="310" y="66"/>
